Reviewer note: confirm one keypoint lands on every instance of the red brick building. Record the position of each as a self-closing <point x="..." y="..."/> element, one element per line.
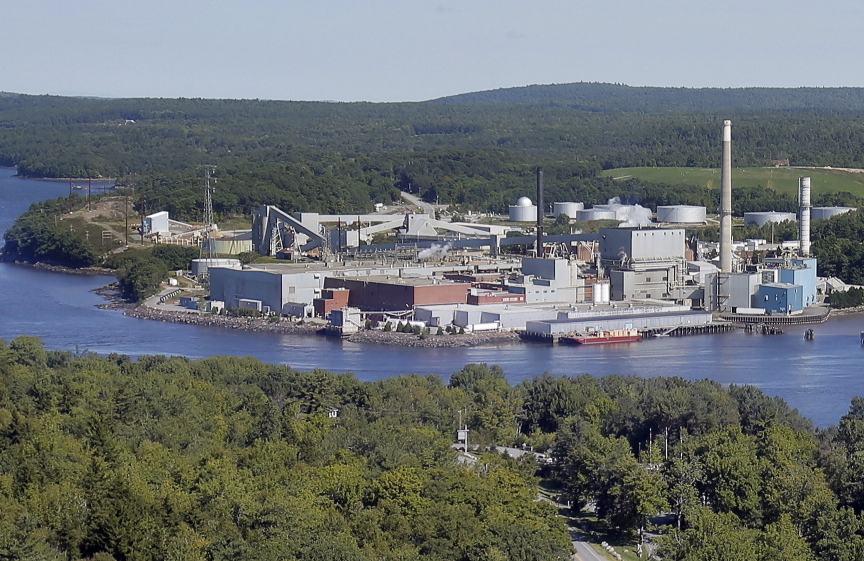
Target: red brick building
<point x="480" y="297"/>
<point x="331" y="299"/>
<point x="393" y="293"/>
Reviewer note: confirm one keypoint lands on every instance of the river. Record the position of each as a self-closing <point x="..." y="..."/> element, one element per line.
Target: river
<point x="817" y="377"/>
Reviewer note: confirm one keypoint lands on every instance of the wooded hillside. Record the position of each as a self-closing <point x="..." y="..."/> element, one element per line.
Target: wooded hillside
<point x="229" y="458"/>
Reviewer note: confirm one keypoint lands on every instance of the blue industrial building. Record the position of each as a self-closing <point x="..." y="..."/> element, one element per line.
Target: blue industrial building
<point x="781" y="298"/>
<point x="800" y="271"/>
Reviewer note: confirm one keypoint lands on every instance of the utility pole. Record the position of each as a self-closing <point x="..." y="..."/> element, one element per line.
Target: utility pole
<point x="210" y="253"/>
<point x="126" y="215"/>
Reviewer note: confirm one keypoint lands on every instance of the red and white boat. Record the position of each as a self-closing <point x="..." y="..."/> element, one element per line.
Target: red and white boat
<point x="603" y="337"/>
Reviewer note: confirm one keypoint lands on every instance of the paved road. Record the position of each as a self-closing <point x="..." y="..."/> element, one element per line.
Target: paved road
<point x="424" y="207"/>
<point x="584" y="550"/>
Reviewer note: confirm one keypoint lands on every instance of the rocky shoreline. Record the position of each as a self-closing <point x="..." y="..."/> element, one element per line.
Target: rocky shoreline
<point x="262" y="325"/>
<point x="286" y="327"/>
<point x="86" y="271"/>
<point x="375" y="336"/>
<point x="847" y="311"/>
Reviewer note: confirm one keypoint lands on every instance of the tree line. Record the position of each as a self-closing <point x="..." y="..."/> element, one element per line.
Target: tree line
<point x="616" y="126"/>
<point x="230" y="458"/>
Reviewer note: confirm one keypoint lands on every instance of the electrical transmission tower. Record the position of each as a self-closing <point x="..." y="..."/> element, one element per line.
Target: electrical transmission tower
<point x="209" y="226"/>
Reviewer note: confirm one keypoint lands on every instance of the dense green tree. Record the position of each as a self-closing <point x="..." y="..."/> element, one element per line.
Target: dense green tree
<point x="711" y="536"/>
<point x="140" y="278"/>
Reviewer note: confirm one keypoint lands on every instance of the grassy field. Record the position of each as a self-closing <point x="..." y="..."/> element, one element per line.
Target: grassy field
<point x="783" y="180"/>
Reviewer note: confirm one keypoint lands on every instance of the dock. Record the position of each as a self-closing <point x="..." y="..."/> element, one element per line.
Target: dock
<point x="649" y="333"/>
<point x="685" y="330"/>
<point x="815" y="314"/>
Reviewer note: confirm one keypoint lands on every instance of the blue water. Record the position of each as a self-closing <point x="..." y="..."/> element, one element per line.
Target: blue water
<point x="818" y="377"/>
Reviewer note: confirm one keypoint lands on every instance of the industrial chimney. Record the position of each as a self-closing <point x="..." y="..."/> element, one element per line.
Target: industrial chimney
<point x="540" y="212"/>
<point x="804" y="215"/>
<point x="726" y="200"/>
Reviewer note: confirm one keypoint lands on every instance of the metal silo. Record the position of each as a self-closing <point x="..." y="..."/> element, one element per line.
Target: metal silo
<point x="825" y="212"/>
<point x="570" y="209"/>
<point x="596" y="214"/>
<point x="762" y="218"/>
<point x="681" y="214"/>
<point x="523" y="211"/>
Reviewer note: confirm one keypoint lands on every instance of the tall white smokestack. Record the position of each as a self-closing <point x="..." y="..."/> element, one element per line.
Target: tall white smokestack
<point x="804" y="215"/>
<point x="726" y="200"/>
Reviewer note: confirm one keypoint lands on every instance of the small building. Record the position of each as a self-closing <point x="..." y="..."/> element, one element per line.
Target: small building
<point x="156" y="223"/>
<point x="480" y="297"/>
<point x="346" y="320"/>
<point x="331" y="299"/>
<point x="252" y="304"/>
<point x="781" y="298"/>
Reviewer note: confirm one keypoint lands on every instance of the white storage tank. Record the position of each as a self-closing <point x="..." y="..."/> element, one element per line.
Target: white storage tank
<point x="601" y="292"/>
<point x="606" y="292"/>
<point x="596" y="214"/>
<point x="681" y="214"/>
<point x="825" y="212"/>
<point x="523" y="211"/>
<point x="762" y="218"/>
<point x="596" y="293"/>
<point x="570" y="209"/>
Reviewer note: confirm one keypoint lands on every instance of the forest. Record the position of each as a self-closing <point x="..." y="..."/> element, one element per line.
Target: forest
<point x="229" y="458"/>
<point x="477" y="150"/>
<point x="474" y="152"/>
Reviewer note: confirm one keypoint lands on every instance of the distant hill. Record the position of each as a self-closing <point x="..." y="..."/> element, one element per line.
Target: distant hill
<point x="477" y="150"/>
<point x="614" y="97"/>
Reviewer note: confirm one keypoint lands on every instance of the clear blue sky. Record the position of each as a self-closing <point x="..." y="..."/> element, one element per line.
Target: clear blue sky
<point x="410" y="50"/>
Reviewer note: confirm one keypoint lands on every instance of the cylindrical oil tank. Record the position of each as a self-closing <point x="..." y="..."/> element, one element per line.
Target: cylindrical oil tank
<point x="570" y="209"/>
<point x="523" y="211"/>
<point x="825" y="212"/>
<point x="606" y="292"/>
<point x="596" y="214"/>
<point x="681" y="214"/>
<point x="762" y="218"/>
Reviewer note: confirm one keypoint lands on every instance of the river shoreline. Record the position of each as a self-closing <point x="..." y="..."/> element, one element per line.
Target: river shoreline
<point x="283" y="326"/>
<point x="59" y="179"/>
<point x="309" y="328"/>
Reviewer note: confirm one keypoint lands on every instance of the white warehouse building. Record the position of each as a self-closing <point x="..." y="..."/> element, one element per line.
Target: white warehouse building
<point x="286" y="293"/>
